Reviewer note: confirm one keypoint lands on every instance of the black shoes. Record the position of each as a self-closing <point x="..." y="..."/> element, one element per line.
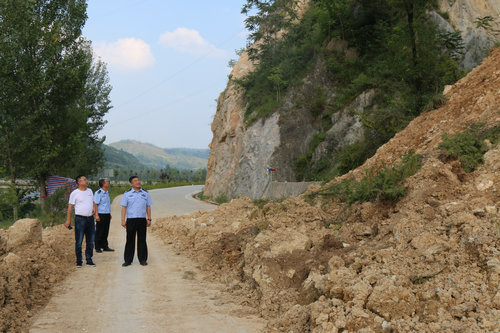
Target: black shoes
<point x="143" y="263"/>
<point x="108" y="249"/>
<point x="98" y="250"/>
<point x="90" y="263"/>
<point x="78" y="265"/>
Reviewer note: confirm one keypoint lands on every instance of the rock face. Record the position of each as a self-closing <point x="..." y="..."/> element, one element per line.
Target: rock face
<point x="240" y="153"/>
<point x="462" y="15"/>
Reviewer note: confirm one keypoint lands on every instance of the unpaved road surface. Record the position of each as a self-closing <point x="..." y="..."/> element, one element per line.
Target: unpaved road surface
<point x="168" y="295"/>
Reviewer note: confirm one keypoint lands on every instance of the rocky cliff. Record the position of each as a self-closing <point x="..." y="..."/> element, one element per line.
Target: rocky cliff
<point x="461" y="15"/>
<point x="240" y="154"/>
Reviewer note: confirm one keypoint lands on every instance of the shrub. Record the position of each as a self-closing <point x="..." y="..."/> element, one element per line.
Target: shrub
<point x="378" y="184"/>
<point x="220" y="199"/>
<point x="469" y="146"/>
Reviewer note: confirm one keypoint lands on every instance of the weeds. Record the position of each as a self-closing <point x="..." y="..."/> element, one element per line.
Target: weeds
<point x="260" y="203"/>
<point x="469" y="146"/>
<point x="378" y="184"/>
<point x="220" y="199"/>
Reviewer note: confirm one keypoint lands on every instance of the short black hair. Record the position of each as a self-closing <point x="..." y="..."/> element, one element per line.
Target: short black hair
<point x="78" y="178"/>
<point x="132" y="178"/>
<point x="102" y="182"/>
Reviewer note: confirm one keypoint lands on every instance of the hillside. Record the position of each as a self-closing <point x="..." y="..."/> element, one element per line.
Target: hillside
<point x="429" y="262"/>
<point x="316" y="96"/>
<point x="155" y="157"/>
<point x="119" y="159"/>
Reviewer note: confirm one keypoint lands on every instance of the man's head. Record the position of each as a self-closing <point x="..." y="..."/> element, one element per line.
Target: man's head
<point x="104" y="184"/>
<point x="82" y="181"/>
<point x="135" y="182"/>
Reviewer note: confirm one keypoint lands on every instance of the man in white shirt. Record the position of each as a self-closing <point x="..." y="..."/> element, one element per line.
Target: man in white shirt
<point x="83" y="201"/>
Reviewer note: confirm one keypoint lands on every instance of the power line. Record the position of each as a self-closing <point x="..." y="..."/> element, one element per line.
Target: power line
<point x="159" y="108"/>
<point x="157" y="85"/>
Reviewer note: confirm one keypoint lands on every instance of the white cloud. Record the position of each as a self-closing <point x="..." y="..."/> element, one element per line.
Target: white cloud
<point x="190" y="41"/>
<point x="125" y="53"/>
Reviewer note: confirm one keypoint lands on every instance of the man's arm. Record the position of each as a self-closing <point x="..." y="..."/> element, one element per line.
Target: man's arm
<point x="124" y="213"/>
<point x="68" y="216"/>
<point x="97" y="218"/>
<point x="148" y="214"/>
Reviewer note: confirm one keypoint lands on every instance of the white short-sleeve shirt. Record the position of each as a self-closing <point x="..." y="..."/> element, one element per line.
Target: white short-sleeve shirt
<point x="83" y="201"/>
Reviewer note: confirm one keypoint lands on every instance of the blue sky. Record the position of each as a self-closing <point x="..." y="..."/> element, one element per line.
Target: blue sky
<point x="167" y="63"/>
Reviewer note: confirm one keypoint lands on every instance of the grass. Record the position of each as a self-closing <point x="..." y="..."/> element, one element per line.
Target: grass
<point x="189" y="275"/>
<point x="469" y="146"/>
<point x="260" y="202"/>
<point x="384" y="184"/>
<point x="220" y="199"/>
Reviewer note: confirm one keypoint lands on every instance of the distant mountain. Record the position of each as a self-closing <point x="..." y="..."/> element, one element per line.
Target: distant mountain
<point x="119" y="159"/>
<point x="155" y="157"/>
<point x="201" y="153"/>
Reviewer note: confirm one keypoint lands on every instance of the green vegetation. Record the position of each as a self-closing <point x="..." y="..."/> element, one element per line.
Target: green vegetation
<point x="387" y="45"/>
<point x="54" y="94"/>
<point x="220" y="199"/>
<point x="260" y="202"/>
<point x="119" y="159"/>
<point x="384" y="184"/>
<point x="469" y="146"/>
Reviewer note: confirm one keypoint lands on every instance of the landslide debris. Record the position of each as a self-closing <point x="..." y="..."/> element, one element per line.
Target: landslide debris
<point x="429" y="262"/>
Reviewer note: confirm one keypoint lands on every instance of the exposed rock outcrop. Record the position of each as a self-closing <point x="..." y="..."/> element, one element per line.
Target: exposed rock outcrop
<point x="462" y="15"/>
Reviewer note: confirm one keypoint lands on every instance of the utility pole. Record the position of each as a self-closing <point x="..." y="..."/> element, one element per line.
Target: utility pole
<point x="270" y="170"/>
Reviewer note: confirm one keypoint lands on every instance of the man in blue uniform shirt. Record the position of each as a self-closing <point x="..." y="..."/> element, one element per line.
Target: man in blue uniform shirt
<point x="136" y="217"/>
<point x="102" y="207"/>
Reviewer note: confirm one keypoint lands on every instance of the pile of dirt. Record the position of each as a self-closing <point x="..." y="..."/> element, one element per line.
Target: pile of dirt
<point x="32" y="261"/>
<point x="429" y="263"/>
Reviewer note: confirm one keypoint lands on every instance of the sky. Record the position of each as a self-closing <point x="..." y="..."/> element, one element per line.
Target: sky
<point x="167" y="63"/>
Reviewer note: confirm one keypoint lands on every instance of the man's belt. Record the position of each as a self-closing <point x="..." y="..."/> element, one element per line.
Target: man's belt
<point x="85" y="217"/>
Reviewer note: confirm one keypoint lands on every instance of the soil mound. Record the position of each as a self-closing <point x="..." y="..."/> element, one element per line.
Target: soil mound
<point x="32" y="261"/>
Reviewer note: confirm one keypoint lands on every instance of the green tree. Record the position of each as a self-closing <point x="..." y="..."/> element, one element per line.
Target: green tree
<point x="54" y="95"/>
<point x="276" y="77"/>
<point x="271" y="18"/>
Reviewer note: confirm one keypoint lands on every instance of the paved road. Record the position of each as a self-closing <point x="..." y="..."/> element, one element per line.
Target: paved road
<point x="153" y="298"/>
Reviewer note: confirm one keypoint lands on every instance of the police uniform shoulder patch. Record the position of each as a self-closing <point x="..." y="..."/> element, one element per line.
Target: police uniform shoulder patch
<point x="99" y="191"/>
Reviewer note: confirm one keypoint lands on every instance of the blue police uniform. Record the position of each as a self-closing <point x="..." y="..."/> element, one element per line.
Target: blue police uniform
<point x="101" y="199"/>
<point x="136" y="224"/>
<point x="136" y="203"/>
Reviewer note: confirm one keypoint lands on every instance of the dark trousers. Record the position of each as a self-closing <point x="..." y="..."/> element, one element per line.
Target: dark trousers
<point x="102" y="231"/>
<point x="136" y="227"/>
<point x="84" y="225"/>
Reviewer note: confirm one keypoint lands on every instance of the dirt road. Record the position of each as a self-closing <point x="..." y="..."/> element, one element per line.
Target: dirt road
<point x="168" y="295"/>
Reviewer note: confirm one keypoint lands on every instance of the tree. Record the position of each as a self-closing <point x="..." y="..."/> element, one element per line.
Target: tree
<point x="272" y="18"/>
<point x="276" y="77"/>
<point x="54" y="94"/>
